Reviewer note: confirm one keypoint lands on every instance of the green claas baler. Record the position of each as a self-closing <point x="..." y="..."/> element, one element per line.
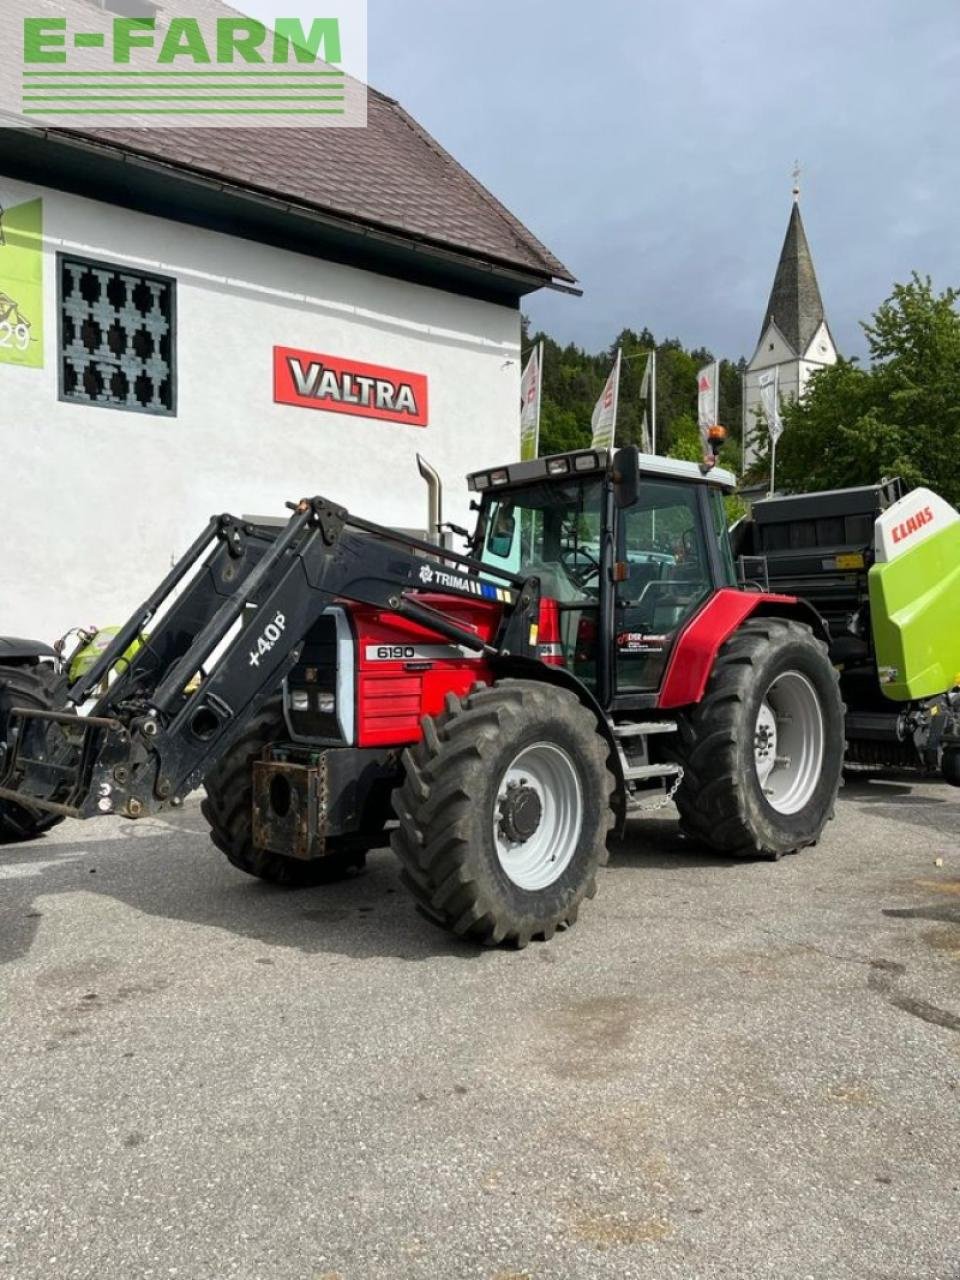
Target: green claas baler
<point x="883" y="568"/>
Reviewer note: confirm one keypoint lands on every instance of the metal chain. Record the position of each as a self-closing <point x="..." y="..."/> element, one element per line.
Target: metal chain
<point x="665" y="799"/>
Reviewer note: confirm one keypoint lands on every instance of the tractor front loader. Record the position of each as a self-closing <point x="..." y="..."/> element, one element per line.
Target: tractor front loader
<point x="589" y="656"/>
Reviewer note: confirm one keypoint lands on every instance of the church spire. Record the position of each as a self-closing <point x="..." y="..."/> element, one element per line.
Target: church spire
<point x="795" y="305"/>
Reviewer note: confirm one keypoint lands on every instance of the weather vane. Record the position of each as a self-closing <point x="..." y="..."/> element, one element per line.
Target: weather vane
<point x="796" y="179"/>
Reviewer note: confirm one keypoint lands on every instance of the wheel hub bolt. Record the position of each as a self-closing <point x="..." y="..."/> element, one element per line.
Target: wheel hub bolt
<point x="520" y="812"/>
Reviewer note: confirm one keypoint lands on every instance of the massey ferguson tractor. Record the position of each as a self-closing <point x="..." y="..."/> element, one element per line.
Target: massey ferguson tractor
<point x="588" y="656"/>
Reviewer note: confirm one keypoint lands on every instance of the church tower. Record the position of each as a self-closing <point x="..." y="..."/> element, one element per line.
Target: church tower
<point x="795" y="338"/>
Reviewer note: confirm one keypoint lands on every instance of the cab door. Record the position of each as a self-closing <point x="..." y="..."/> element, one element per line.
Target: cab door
<point x="667" y="570"/>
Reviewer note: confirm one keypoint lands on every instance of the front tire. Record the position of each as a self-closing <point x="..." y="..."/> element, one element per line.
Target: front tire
<point x="504" y="812"/>
<point x="228" y="808"/>
<point x="762" y="752"/>
<point x="41" y="687"/>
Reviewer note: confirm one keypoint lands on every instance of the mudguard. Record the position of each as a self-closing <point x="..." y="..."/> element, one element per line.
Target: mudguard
<point x="915" y="597"/>
<point x="13" y="649"/>
<point x="698" y="644"/>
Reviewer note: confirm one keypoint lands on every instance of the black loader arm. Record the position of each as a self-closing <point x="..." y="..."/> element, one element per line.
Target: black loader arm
<point x="218" y="636"/>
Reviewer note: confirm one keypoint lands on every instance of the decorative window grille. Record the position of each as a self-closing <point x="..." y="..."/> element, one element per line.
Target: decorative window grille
<point x="117" y="339"/>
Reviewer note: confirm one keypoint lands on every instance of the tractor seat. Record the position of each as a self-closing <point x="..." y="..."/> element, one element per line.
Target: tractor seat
<point x="638" y="577"/>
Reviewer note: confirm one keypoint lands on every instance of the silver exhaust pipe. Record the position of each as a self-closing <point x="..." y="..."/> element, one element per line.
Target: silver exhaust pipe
<point x="434" y="500"/>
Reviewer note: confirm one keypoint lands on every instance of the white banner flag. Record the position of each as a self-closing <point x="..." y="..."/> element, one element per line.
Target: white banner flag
<point x="647" y="393"/>
<point x="604" y="420"/>
<point x="645" y="381"/>
<point x="530" y="397"/>
<point x="708" y="397"/>
<point x="768" y="385"/>
<point x="645" y="445"/>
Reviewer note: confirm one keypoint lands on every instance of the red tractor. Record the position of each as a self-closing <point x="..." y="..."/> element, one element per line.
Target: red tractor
<point x="587" y="656"/>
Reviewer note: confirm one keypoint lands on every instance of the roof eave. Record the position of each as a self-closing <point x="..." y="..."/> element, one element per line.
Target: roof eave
<point x="525" y="278"/>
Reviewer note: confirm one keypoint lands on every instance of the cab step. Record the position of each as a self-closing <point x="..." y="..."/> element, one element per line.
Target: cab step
<point x="634" y="772"/>
<point x="634" y="728"/>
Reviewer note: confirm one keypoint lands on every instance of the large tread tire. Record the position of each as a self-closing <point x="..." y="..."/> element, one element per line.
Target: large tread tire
<point x="228" y="808"/>
<point x="720" y="798"/>
<point x="447" y="801"/>
<point x="38" y="686"/>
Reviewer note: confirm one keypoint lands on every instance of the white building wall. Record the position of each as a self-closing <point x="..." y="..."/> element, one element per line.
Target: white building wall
<point x="97" y="502"/>
<point x="772" y="349"/>
<point x="789" y="390"/>
<point x="821" y="350"/>
<point x="773" y="352"/>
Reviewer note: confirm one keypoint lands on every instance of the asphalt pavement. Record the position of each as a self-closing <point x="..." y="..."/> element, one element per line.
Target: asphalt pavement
<point x="726" y="1069"/>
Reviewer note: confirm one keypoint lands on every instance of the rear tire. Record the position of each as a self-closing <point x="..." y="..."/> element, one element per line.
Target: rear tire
<point x="950" y="766"/>
<point x="228" y="808"/>
<point x="504" y="812"/>
<point x="40" y="687"/>
<point x="762" y="753"/>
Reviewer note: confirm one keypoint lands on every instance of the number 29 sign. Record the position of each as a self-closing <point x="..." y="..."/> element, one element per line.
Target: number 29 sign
<point x="21" y="284"/>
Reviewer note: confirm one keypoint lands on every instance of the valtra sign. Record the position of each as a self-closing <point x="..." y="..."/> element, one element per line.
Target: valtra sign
<point x="311" y="380"/>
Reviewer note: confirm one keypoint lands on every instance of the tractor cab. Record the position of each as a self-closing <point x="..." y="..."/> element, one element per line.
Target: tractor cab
<point x="628" y="546"/>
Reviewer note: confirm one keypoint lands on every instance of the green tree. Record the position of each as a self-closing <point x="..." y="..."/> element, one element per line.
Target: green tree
<point x="574" y="378"/>
<point x="900" y="416"/>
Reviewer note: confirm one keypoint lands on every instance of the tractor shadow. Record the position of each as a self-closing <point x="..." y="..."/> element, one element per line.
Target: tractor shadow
<point x="887" y="786"/>
<point x="908" y="799"/>
<point x="656" y="843"/>
<point x="180" y="877"/>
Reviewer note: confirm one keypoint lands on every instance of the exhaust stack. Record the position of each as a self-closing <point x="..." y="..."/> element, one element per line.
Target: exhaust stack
<point x="434" y="500"/>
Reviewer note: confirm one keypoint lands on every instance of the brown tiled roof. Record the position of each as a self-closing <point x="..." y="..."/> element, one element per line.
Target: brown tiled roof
<point x="392" y="175"/>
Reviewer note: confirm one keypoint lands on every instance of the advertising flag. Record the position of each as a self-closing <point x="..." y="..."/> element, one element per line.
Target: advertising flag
<point x="645" y="380"/>
<point x="530" y="397"/>
<point x="645" y="445"/>
<point x="768" y="385"/>
<point x="604" y="420"/>
<point x="708" y="397"/>
<point x="648" y="393"/>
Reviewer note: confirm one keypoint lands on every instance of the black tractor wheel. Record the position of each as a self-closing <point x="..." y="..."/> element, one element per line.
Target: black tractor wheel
<point x="762" y="753"/>
<point x="950" y="766"/>
<point x="228" y="808"/>
<point x="504" y="812"/>
<point x="40" y="687"/>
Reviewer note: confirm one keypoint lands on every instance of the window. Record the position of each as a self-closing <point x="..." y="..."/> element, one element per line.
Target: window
<point x="667" y="579"/>
<point x="728" y="574"/>
<point x="552" y="530"/>
<point x="117" y="340"/>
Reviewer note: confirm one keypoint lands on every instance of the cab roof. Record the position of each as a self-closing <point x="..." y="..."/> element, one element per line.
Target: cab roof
<point x="584" y="461"/>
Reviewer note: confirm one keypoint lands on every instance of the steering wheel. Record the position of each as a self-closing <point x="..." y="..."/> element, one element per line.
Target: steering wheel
<point x="581" y="575"/>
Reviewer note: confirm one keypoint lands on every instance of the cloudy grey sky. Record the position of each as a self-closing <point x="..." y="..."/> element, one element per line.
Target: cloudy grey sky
<point x="649" y="143"/>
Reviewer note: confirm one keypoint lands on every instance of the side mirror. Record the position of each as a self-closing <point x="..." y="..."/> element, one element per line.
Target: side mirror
<point x="500" y="541"/>
<point x="626" y="476"/>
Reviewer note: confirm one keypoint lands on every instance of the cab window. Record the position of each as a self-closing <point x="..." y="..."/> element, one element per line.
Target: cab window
<point x="667" y="578"/>
<point x="553" y="530"/>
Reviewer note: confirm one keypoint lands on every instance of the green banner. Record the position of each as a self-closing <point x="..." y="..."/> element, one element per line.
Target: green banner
<point x="21" y="285"/>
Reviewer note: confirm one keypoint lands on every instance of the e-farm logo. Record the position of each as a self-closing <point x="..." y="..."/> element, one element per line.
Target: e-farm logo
<point x="122" y="63"/>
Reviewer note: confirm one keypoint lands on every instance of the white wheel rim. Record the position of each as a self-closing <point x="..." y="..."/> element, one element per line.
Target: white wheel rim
<point x="540" y="858"/>
<point x="788" y="742"/>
